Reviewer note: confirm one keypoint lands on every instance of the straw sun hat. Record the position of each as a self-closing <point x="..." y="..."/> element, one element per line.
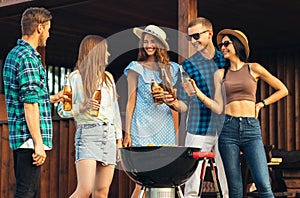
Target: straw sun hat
<point x="153" y="30"/>
<point x="238" y="34"/>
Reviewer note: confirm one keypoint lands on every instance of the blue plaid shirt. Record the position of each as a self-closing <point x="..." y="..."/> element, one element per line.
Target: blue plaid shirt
<point x="200" y="119"/>
<point x="25" y="81"/>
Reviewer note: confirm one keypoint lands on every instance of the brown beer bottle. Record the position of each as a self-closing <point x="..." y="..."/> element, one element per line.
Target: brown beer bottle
<point x="96" y="96"/>
<point x="166" y="83"/>
<point x="67" y="91"/>
<point x="156" y="87"/>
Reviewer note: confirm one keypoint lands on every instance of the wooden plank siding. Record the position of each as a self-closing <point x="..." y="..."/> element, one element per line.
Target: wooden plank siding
<point x="280" y="121"/>
<point x="6" y="160"/>
<point x="57" y="178"/>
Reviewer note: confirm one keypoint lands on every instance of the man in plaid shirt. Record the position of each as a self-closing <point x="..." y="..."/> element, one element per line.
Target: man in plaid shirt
<point x="201" y="123"/>
<point x="28" y="102"/>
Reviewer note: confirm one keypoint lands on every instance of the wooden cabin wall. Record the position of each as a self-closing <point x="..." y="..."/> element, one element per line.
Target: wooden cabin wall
<point x="58" y="176"/>
<point x="280" y="121"/>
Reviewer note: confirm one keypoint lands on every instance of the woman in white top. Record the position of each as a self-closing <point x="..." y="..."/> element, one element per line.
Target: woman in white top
<point x="97" y="137"/>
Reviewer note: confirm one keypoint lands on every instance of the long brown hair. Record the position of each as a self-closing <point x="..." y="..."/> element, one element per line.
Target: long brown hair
<point x="91" y="64"/>
<point x="161" y="55"/>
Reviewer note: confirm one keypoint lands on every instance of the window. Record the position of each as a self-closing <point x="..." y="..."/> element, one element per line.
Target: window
<point x="56" y="77"/>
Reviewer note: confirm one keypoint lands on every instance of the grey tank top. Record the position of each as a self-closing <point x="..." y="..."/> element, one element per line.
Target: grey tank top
<point x="239" y="85"/>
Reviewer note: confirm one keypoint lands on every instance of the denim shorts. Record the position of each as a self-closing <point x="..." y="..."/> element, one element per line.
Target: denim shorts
<point x="96" y="141"/>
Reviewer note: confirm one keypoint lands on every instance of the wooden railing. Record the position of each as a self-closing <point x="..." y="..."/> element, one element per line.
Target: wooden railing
<point x="58" y="174"/>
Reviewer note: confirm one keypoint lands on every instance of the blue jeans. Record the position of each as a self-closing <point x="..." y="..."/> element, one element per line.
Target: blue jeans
<point x="27" y="174"/>
<point x="244" y="134"/>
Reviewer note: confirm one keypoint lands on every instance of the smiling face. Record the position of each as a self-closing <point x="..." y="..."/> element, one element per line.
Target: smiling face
<point x="227" y="48"/>
<point x="150" y="44"/>
<point x="203" y="36"/>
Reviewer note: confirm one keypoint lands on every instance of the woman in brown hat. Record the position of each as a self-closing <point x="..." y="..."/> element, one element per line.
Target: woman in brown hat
<point x="235" y="95"/>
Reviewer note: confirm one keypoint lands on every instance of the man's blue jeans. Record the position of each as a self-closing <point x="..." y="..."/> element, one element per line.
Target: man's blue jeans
<point x="27" y="174"/>
<point x="244" y="134"/>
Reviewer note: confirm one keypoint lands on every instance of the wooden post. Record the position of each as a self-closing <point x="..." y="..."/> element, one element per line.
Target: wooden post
<point x="1" y="77"/>
<point x="187" y="11"/>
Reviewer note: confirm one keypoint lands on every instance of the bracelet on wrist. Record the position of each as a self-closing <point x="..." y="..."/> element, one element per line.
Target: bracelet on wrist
<point x="264" y="103"/>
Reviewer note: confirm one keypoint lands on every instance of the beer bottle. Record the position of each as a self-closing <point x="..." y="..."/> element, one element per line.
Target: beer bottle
<point x="166" y="83"/>
<point x="67" y="104"/>
<point x="186" y="83"/>
<point x="96" y="96"/>
<point x="156" y="87"/>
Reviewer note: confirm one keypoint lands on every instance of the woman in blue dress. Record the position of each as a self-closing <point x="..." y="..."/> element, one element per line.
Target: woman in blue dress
<point x="148" y="123"/>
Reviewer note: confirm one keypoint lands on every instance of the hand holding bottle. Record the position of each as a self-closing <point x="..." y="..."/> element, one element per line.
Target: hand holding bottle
<point x="67" y="91"/>
<point x="186" y="82"/>
<point x="94" y="102"/>
<point x="189" y="88"/>
<point x="193" y="84"/>
<point x="169" y="98"/>
<point x="58" y="97"/>
<point x="158" y="96"/>
<point x="157" y="92"/>
<point x="93" y="106"/>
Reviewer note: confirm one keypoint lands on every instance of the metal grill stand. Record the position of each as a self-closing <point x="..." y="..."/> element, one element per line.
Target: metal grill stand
<point x="210" y="161"/>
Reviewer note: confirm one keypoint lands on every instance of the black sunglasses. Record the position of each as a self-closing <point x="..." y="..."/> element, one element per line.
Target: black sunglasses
<point x="226" y="43"/>
<point x="196" y="36"/>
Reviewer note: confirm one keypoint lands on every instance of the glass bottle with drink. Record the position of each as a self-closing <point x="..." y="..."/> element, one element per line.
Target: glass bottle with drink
<point x="166" y="83"/>
<point x="155" y="87"/>
<point x="96" y="96"/>
<point x="67" y="104"/>
<point x="186" y="83"/>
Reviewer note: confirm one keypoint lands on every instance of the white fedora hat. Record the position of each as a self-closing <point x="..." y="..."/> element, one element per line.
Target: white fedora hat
<point x="153" y="30"/>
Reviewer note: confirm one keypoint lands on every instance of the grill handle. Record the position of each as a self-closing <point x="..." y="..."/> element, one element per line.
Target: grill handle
<point x="203" y="155"/>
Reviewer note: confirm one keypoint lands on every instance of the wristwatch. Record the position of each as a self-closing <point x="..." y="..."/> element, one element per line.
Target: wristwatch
<point x="262" y="101"/>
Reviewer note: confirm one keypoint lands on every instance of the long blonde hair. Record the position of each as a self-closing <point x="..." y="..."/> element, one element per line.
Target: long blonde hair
<point x="91" y="64"/>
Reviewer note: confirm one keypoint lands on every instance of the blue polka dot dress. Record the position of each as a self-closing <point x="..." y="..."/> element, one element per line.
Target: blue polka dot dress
<point x="151" y="124"/>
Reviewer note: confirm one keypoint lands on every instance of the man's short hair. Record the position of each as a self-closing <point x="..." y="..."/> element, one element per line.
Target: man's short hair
<point x="33" y="16"/>
<point x="201" y="20"/>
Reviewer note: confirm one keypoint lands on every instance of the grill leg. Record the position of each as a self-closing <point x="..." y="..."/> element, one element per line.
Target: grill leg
<point x="142" y="191"/>
<point x="202" y="175"/>
<point x="179" y="192"/>
<point x="215" y="177"/>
